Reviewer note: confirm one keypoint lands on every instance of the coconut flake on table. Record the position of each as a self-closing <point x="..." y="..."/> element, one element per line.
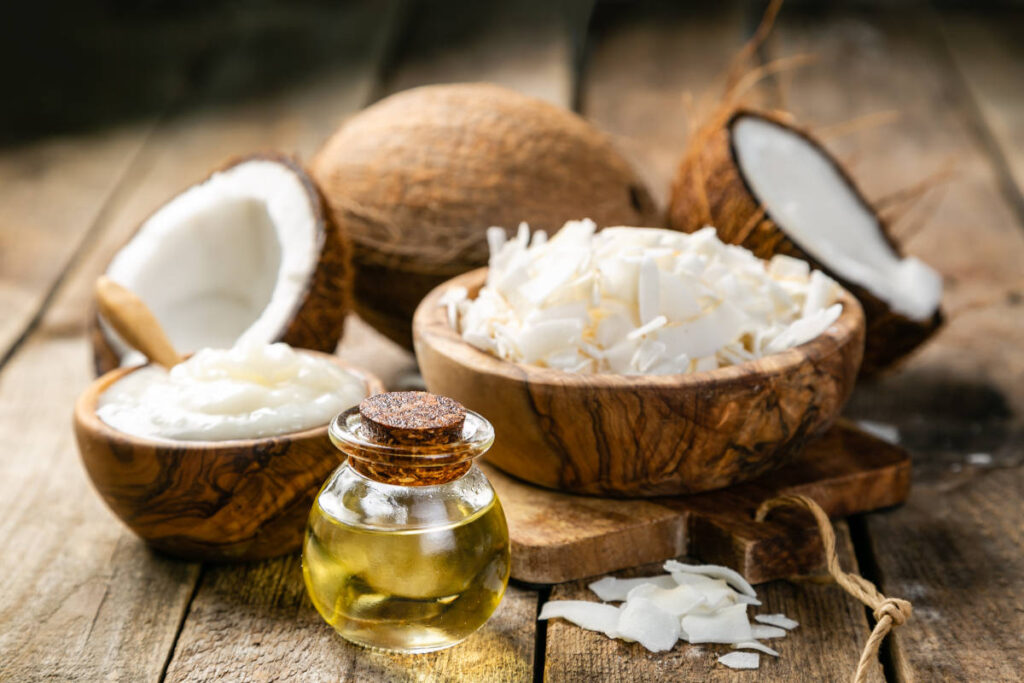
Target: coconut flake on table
<point x="593" y="616"/>
<point x="765" y="632"/>
<point x="741" y="660"/>
<point x="612" y="589"/>
<point x="754" y="645"/>
<point x="693" y="603"/>
<point x="638" y="301"/>
<point x="780" y="620"/>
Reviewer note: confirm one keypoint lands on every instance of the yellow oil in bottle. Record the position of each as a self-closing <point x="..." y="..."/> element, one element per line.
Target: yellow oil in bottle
<point x="407" y="589"/>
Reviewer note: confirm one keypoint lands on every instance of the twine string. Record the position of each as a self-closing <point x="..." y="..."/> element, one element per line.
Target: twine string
<point x="888" y="612"/>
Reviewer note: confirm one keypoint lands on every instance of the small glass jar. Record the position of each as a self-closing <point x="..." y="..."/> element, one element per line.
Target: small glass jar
<point x="407" y="547"/>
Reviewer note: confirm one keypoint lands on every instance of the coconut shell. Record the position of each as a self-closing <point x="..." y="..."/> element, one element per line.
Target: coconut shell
<point x="416" y="179"/>
<point x="318" y="319"/>
<point x="709" y="189"/>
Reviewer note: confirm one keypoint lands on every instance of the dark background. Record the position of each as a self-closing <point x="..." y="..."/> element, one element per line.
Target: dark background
<point x="72" y="66"/>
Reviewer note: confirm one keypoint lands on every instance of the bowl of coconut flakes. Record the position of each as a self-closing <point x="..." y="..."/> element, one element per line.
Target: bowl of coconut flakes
<point x="640" y="361"/>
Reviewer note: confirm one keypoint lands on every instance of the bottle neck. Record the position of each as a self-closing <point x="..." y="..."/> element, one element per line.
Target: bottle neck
<point x="399" y="475"/>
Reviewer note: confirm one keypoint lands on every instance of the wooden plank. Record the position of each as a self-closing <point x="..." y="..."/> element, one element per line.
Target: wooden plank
<point x="825" y="647"/>
<point x="558" y="537"/>
<point x="256" y="622"/>
<point x="957" y="538"/>
<point x="51" y="194"/>
<point x="955" y="551"/>
<point x="521" y="45"/>
<point x="989" y="54"/>
<point x="82" y="598"/>
<point x="652" y="72"/>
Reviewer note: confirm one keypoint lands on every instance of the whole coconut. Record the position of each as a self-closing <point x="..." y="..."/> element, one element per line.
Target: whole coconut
<point x="415" y="180"/>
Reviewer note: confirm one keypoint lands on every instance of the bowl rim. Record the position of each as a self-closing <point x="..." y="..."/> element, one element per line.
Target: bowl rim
<point x="430" y="324"/>
<point x="85" y="413"/>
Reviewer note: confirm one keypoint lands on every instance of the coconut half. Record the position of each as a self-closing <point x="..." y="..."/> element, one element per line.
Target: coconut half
<point x="248" y="252"/>
<point x="774" y="189"/>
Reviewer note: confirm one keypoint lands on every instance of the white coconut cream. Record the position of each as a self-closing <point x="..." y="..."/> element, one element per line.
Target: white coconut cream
<point x="250" y="391"/>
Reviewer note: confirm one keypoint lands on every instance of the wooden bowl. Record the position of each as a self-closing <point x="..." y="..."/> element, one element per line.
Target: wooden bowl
<point x="621" y="435"/>
<point x="208" y="500"/>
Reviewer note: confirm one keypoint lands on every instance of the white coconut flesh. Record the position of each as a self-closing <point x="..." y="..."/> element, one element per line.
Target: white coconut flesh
<point x="806" y="195"/>
<point x="227" y="259"/>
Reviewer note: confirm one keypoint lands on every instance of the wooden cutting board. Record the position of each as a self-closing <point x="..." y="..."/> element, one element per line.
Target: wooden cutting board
<point x="561" y="537"/>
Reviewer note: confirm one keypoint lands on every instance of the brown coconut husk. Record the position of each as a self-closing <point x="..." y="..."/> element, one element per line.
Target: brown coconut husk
<point x="318" y="319"/>
<point x="709" y="189"/>
<point x="416" y="179"/>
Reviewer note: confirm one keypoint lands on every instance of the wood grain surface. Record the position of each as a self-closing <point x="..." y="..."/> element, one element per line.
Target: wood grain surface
<point x="560" y="537"/>
<point x="52" y="195"/>
<point x="613" y="435"/>
<point x="257" y="622"/>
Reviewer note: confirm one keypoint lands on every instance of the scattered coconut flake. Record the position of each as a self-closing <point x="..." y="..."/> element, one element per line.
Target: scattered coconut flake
<point x="765" y="632"/>
<point x="979" y="459"/>
<point x="741" y="660"/>
<point x="692" y="602"/>
<point x="780" y="620"/>
<point x="611" y="589"/>
<point x="593" y="616"/>
<point x="646" y="623"/>
<point x="730" y="576"/>
<point x="639" y="301"/>
<point x="754" y="645"/>
<point x="727" y="625"/>
<point x="883" y="430"/>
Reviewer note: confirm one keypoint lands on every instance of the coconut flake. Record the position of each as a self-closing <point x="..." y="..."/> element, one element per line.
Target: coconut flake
<point x="646" y="623"/>
<point x="741" y="660"/>
<point x="611" y="589"/>
<point x="754" y="645"/>
<point x="765" y="632"/>
<point x="780" y="620"/>
<point x="593" y="616"/>
<point x="639" y="301"/>
<point x="727" y="625"/>
<point x="730" y="576"/>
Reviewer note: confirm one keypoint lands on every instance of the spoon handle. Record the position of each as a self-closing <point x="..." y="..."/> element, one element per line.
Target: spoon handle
<point x="136" y="324"/>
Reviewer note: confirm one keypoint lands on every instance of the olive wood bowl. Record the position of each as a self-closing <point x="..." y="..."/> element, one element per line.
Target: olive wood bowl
<point x="647" y="435"/>
<point x="208" y="500"/>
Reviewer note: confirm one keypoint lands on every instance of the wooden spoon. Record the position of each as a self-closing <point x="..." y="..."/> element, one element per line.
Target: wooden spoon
<point x="136" y="324"/>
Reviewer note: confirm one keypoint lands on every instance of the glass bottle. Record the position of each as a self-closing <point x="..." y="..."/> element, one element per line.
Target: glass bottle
<point x="407" y="547"/>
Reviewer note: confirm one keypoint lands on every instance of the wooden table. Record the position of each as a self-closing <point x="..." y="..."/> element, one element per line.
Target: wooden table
<point x="81" y="598"/>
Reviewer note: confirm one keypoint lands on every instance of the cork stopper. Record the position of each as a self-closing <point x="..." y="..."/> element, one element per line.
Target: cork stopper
<point x="429" y="426"/>
<point x="413" y="418"/>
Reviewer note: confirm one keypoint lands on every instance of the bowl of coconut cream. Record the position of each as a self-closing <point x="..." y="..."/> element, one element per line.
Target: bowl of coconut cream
<point x="218" y="458"/>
